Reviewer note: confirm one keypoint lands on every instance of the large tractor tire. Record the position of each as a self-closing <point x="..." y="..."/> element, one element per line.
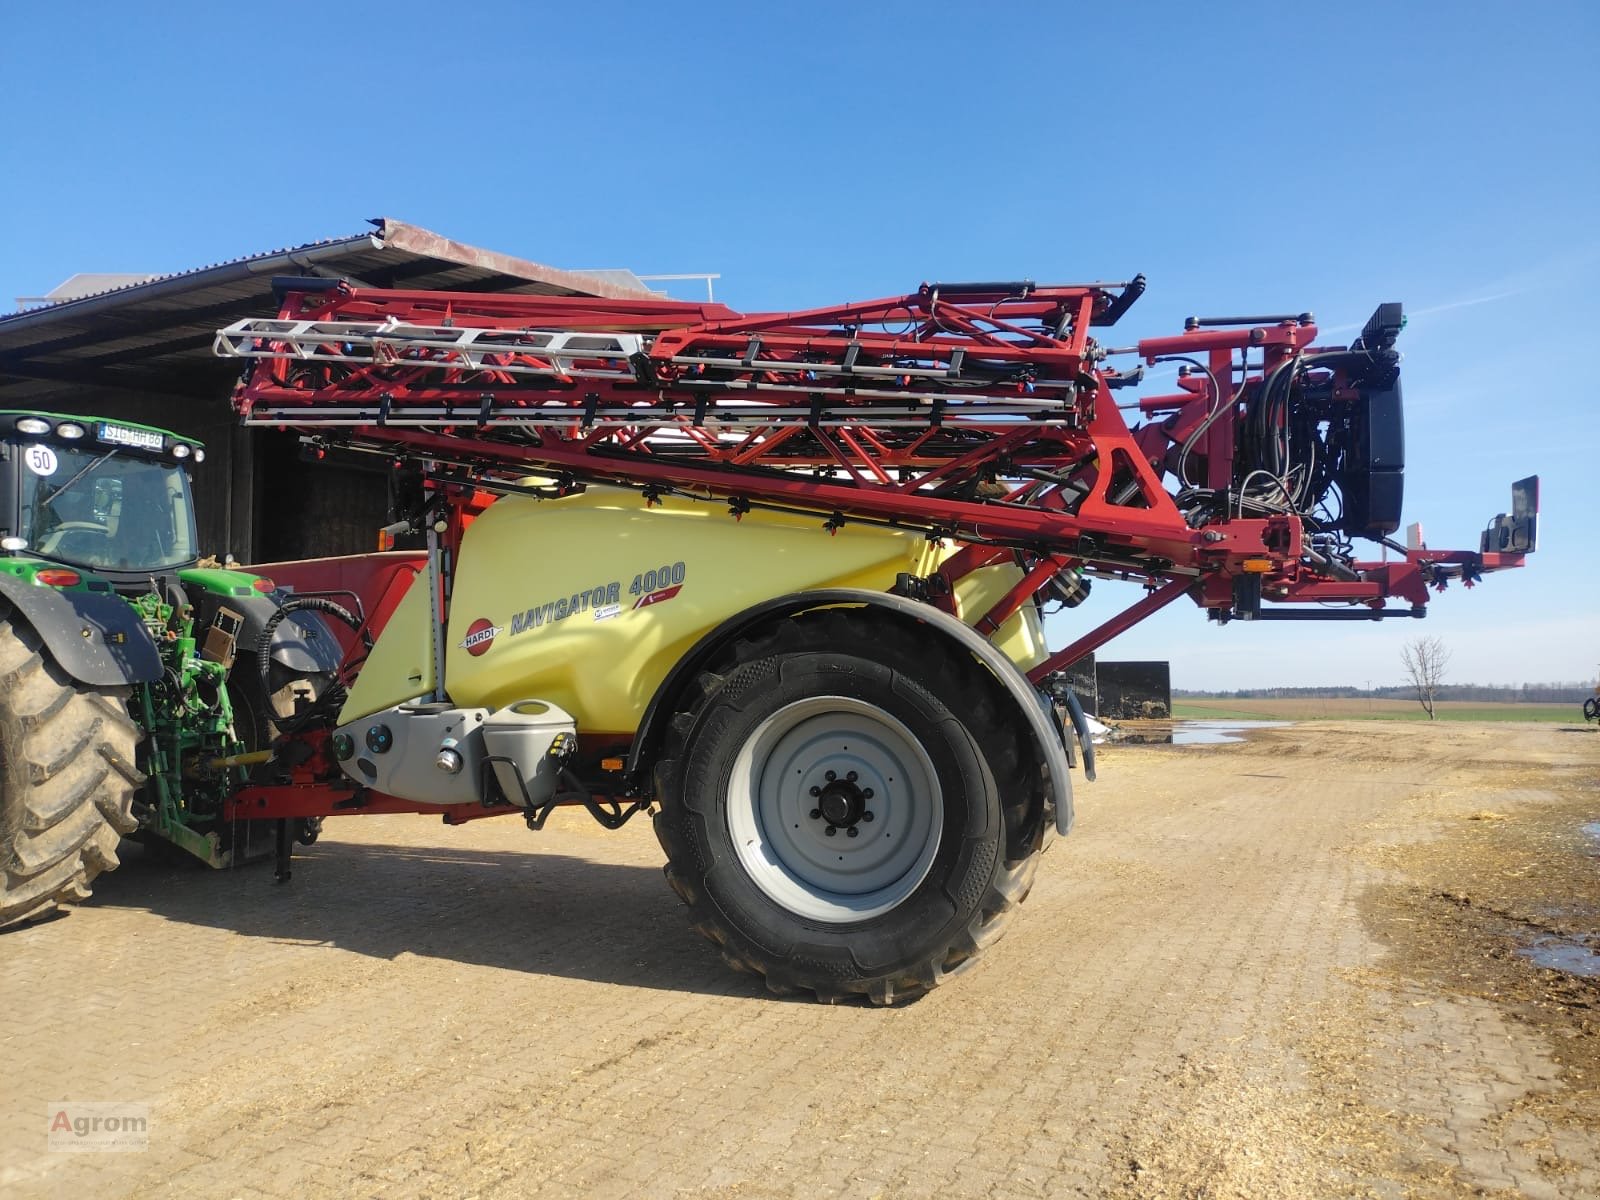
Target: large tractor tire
<point x="67" y="778"/>
<point x="848" y="810"/>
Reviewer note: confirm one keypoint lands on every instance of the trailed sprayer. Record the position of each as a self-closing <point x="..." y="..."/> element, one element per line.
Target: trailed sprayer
<point x="779" y="579"/>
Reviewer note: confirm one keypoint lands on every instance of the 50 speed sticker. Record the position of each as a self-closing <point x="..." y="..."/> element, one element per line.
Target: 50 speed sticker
<point x="41" y="460"/>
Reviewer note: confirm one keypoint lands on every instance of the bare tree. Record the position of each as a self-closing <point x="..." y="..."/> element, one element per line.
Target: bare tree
<point x="1425" y="659"/>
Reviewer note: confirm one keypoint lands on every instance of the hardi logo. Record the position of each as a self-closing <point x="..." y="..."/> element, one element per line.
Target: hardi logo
<point x="480" y="636"/>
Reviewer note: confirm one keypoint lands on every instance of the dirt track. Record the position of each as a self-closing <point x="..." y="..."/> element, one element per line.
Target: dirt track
<point x="1286" y="968"/>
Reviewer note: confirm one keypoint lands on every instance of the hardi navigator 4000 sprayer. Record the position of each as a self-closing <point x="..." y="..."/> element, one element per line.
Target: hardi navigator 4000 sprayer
<point x="779" y="578"/>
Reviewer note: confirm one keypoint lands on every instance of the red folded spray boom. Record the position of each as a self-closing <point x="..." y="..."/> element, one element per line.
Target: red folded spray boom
<point x="987" y="413"/>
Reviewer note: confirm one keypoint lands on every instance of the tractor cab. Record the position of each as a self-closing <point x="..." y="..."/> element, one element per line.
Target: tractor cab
<point x="107" y="497"/>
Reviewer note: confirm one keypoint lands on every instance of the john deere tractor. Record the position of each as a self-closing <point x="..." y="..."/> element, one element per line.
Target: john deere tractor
<point x="134" y="682"/>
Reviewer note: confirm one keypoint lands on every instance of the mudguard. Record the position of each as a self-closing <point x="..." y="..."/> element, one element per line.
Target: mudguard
<point x="97" y="638"/>
<point x="302" y="643"/>
<point x="1046" y="739"/>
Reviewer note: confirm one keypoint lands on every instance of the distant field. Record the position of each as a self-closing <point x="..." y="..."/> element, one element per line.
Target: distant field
<point x="1371" y="710"/>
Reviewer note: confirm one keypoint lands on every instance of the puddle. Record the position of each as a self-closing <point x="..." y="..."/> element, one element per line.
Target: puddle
<point x="1592" y="830"/>
<point x="1211" y="733"/>
<point x="1557" y="954"/>
<point x="1186" y="733"/>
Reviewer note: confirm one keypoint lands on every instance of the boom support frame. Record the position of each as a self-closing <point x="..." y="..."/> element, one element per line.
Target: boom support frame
<point x="983" y="412"/>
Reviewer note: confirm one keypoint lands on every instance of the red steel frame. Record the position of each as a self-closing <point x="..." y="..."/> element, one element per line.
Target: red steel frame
<point x="878" y="412"/>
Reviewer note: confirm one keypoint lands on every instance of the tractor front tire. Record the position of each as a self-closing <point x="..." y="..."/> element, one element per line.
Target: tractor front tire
<point x="67" y="778"/>
<point x="847" y="809"/>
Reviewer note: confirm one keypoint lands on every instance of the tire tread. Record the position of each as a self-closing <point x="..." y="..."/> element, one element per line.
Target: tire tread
<point x="1019" y="778"/>
<point x="67" y="778"/>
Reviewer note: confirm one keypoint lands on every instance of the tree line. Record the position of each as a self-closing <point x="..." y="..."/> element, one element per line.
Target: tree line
<point x="1523" y="693"/>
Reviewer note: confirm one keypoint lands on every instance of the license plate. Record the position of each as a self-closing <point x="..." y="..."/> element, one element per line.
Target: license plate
<point x="136" y="439"/>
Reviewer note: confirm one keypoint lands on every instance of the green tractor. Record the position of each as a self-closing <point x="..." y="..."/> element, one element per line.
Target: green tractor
<point x="135" y="683"/>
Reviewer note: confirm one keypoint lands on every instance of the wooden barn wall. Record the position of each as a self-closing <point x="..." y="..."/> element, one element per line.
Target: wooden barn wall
<point x="310" y="509"/>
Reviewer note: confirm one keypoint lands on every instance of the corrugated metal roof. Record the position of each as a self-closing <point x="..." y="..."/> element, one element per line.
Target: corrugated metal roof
<point x="85" y="283"/>
<point x="156" y="335"/>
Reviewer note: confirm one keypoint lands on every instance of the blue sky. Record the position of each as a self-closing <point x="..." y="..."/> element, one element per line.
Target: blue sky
<point x="1244" y="157"/>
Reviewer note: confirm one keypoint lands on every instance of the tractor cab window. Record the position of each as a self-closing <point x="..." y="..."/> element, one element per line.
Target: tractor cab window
<point x="104" y="509"/>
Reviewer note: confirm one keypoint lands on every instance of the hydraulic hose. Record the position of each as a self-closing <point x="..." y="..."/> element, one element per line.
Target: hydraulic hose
<point x="1080" y="725"/>
<point x="333" y="696"/>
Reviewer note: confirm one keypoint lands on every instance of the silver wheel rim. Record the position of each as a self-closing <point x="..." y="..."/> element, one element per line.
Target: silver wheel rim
<point x="780" y="781"/>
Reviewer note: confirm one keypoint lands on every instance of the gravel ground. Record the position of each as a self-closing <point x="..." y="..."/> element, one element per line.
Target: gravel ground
<point x="1291" y="967"/>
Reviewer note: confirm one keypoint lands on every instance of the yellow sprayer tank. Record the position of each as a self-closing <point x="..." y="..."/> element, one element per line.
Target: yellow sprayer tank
<point x="588" y="601"/>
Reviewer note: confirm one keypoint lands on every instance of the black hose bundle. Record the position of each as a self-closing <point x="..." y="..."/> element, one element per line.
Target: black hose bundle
<point x="332" y="698"/>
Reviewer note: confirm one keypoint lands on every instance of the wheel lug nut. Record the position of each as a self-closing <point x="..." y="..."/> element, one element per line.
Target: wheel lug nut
<point x="853" y="831"/>
<point x="816" y="791"/>
<point x="815" y="813"/>
<point x="866" y="793"/>
<point x="851" y="777"/>
<point x="830" y="777"/>
<point x="867" y="816"/>
<point x="831" y="830"/>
